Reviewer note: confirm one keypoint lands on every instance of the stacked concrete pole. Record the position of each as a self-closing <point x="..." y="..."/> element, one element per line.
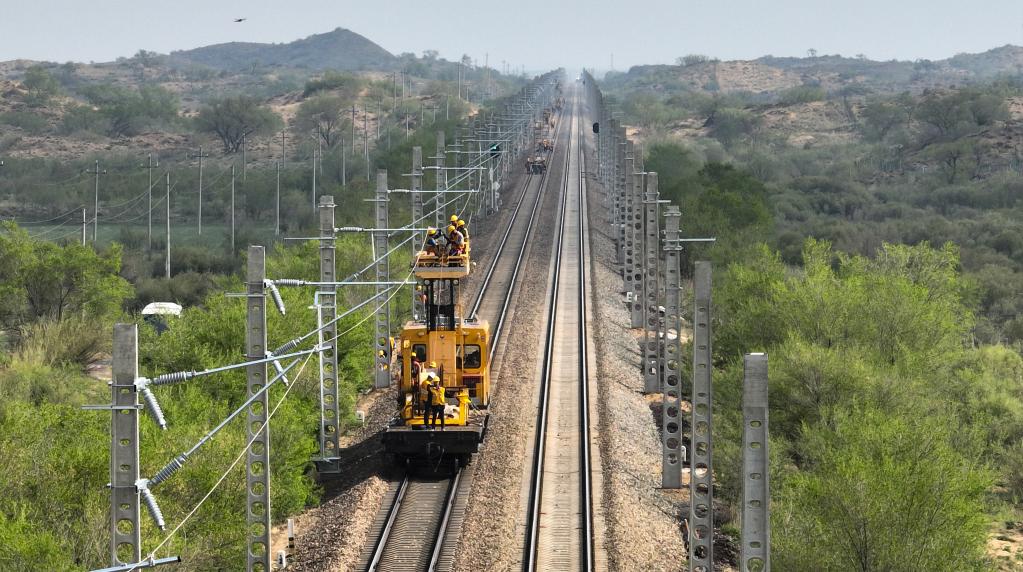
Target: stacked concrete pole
<point x="651" y="287"/>
<point x="326" y="312"/>
<point x="755" y="553"/>
<point x="701" y="485"/>
<point x="636" y="241"/>
<point x="417" y="216"/>
<point x="257" y="430"/>
<point x="382" y="357"/>
<point x="125" y="539"/>
<point x="672" y="455"/>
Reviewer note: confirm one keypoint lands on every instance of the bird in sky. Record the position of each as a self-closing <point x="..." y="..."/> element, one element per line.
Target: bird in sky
<point x="236" y="20"/>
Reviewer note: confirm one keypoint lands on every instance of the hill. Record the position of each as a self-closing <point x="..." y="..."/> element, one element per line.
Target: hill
<point x="770" y="75"/>
<point x="339" y="49"/>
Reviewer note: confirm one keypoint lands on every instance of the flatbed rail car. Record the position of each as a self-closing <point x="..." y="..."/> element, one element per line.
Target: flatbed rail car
<point x="455" y="350"/>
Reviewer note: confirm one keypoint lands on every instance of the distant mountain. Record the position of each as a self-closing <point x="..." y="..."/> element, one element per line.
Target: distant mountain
<point x="340" y="49"/>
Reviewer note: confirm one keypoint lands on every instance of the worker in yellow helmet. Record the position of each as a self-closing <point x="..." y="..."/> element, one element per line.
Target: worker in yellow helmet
<point x="456" y="241"/>
<point x="462" y="228"/>
<point x="454" y="218"/>
<point x="437" y="403"/>
<point x="423" y="398"/>
<point x="431" y="246"/>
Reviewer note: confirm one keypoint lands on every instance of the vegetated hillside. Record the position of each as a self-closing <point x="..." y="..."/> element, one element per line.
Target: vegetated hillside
<point x="770" y="74"/>
<point x="884" y="194"/>
<point x="339" y="49"/>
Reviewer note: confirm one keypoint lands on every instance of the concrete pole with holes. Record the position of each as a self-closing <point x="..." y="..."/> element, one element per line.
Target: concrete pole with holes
<point x="651" y="285"/>
<point x="125" y="535"/>
<point x="417" y="215"/>
<point x="382" y="354"/>
<point x="635" y="240"/>
<point x="441" y="182"/>
<point x="627" y="259"/>
<point x="257" y="430"/>
<point x="755" y="553"/>
<point x="701" y="486"/>
<point x="326" y="308"/>
<point x="672" y="455"/>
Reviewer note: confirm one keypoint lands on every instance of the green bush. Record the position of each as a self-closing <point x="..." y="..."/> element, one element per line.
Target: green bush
<point x="28" y="122"/>
<point x="802" y="94"/>
<point x="77" y="341"/>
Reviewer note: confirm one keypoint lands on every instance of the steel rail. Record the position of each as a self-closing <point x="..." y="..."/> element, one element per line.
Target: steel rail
<point x="539" y="450"/>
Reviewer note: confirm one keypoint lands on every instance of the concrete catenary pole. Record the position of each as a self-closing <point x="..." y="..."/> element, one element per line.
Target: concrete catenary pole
<point x="257" y="430"/>
<point x="441" y="181"/>
<point x="125" y="535"/>
<point x="383" y="314"/>
<point x="701" y="486"/>
<point x="330" y="413"/>
<point x="672" y="455"/>
<point x="417" y="216"/>
<point x="755" y="553"/>
<point x="651" y="284"/>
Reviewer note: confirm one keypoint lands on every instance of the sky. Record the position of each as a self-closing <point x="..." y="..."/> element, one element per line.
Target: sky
<point x="536" y="35"/>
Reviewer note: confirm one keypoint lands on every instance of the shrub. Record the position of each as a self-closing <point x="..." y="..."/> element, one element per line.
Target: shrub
<point x="30" y="123"/>
<point x="76" y="341"/>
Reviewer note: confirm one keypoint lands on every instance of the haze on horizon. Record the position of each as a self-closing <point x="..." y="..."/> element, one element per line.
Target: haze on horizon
<point x="529" y="33"/>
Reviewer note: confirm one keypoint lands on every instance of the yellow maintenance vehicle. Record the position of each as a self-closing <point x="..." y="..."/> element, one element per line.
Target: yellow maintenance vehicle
<point x="443" y="357"/>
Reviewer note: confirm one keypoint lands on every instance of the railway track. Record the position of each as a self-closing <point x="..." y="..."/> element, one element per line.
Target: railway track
<point x="559" y="528"/>
<point x="421" y="524"/>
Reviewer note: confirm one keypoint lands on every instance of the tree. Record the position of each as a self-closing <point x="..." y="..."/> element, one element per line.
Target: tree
<point x="232" y="119"/>
<point x="41" y="86"/>
<point x="943" y="111"/>
<point x="953" y="157"/>
<point x="45" y="280"/>
<point x="881" y="116"/>
<point x="728" y="124"/>
<point x="881" y="492"/>
<point x="323" y="115"/>
<point x="692" y="60"/>
<point x="129" y="112"/>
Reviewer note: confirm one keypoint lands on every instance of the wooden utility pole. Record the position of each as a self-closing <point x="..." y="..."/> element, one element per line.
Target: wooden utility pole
<point x="232" y="208"/>
<point x="277" y="225"/>
<point x="150" y="167"/>
<point x="201" y="156"/>
<point x="95" y="221"/>
<point x="314" y="181"/>
<point x="167" y="267"/>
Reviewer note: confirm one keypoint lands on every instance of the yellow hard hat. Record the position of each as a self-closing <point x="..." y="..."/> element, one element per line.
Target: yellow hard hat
<point x="461" y="222"/>
<point x="431" y="231"/>
<point x="433" y="364"/>
<point x="451" y="227"/>
<point x="454" y="218"/>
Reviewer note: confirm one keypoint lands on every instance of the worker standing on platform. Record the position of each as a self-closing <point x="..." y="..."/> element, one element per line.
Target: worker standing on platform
<point x="431" y="246"/>
<point x="437" y="402"/>
<point x="424" y="396"/>
<point x="462" y="228"/>
<point x="456" y="241"/>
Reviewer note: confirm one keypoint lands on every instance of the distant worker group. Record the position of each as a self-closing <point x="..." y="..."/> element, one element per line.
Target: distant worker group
<point x="453" y="242"/>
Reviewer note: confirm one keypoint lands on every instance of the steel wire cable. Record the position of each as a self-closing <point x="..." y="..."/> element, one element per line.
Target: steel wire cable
<point x="297" y="379"/>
